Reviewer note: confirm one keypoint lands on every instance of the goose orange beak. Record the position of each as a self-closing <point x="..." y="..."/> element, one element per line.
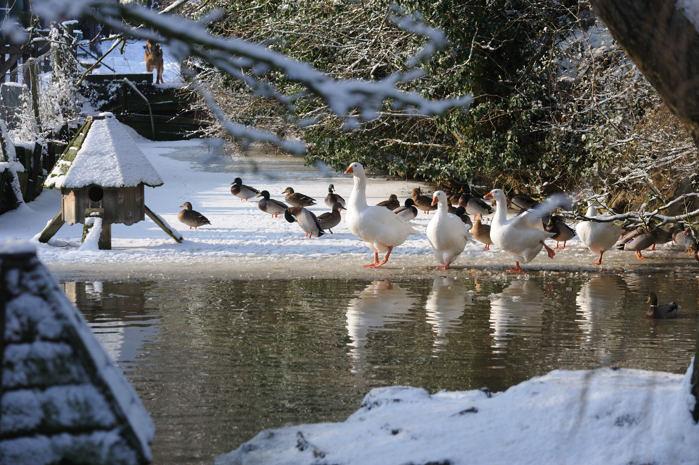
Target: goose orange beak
<point x="488" y="196"/>
<point x="349" y="170"/>
<point x="434" y="201"/>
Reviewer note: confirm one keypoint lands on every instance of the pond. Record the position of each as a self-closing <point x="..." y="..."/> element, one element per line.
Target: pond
<point x="216" y="361"/>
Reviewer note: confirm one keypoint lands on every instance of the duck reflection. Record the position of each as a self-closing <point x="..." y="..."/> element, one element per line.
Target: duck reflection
<point x="517" y="309"/>
<point x="445" y="305"/>
<point x="598" y="299"/>
<point x="379" y="303"/>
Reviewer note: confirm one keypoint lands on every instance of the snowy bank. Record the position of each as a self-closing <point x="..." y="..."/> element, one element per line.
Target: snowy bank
<point x="241" y="238"/>
<point x="603" y="417"/>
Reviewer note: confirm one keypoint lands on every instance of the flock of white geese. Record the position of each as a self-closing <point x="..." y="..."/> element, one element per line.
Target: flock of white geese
<point x="448" y="231"/>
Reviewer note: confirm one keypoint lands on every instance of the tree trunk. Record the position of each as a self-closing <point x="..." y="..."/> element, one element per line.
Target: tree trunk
<point x="664" y="45"/>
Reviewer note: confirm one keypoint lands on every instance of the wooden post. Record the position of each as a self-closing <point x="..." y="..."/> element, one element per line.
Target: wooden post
<point x="169" y="230"/>
<point x="52" y="227"/>
<point x="105" y="240"/>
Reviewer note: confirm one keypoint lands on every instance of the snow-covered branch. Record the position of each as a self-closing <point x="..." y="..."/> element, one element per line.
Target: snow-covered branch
<point x="354" y="100"/>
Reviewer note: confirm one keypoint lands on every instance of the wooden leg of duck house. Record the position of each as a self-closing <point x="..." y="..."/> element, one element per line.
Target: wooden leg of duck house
<point x="169" y="230"/>
<point x="52" y="227"/>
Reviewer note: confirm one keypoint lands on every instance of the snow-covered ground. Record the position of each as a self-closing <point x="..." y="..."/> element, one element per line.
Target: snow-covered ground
<point x="133" y="61"/>
<point x="600" y="417"/>
<point x="196" y="171"/>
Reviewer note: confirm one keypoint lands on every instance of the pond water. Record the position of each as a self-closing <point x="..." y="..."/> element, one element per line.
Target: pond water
<point x="216" y="361"/>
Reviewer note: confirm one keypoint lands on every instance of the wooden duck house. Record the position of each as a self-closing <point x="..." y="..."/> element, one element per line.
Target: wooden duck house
<point x="102" y="173"/>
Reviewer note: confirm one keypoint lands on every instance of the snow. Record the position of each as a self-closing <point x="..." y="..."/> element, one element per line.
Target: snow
<point x="108" y="157"/>
<point x="193" y="172"/>
<point x="603" y="416"/>
<point x="91" y="242"/>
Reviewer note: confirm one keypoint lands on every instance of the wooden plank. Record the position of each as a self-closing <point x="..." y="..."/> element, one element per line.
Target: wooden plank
<point x="169" y="230"/>
<point x="52" y="227"/>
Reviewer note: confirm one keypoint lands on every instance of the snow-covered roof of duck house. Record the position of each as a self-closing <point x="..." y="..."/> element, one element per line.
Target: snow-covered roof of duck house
<point x="103" y="168"/>
<point x="62" y="399"/>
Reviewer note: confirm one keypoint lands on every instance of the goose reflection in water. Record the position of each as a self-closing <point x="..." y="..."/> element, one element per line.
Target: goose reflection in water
<point x="517" y="309"/>
<point x="379" y="303"/>
<point x="599" y="299"/>
<point x="445" y="305"/>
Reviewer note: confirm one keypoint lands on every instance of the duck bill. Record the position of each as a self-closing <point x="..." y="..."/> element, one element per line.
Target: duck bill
<point x="349" y="170"/>
<point x="434" y="201"/>
<point x="488" y="196"/>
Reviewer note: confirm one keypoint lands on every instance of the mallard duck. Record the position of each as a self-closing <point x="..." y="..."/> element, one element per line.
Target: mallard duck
<point x="382" y="229"/>
<point x="271" y="206"/>
<point x="481" y="232"/>
<point x="332" y="198"/>
<point x="242" y="191"/>
<point x="522" y="202"/>
<point x="422" y="202"/>
<point x="685" y="239"/>
<point x="331" y="219"/>
<point x="446" y="233"/>
<point x="191" y="218"/>
<point x="660" y="311"/>
<point x="597" y="236"/>
<point x="408" y="211"/>
<point x="461" y="213"/>
<point x="297" y="199"/>
<point x="522" y="236"/>
<point x="556" y="224"/>
<point x="474" y="205"/>
<point x="392" y="203"/>
<point x="306" y="219"/>
<point x="641" y="240"/>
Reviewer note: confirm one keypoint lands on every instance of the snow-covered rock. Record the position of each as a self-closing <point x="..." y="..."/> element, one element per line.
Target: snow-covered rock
<point x="62" y="400"/>
<point x="603" y="417"/>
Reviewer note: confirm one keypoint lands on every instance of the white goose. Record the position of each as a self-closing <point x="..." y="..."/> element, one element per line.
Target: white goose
<point x="522" y="236"/>
<point x="446" y="233"/>
<point x="598" y="237"/>
<point x="378" y="226"/>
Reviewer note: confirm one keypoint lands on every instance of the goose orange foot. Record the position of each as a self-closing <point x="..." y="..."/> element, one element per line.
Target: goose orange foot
<point x="517" y="269"/>
<point x="549" y="250"/>
<point x="374" y="263"/>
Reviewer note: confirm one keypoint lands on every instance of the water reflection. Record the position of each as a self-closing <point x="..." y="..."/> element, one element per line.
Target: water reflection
<point x="216" y="361"/>
<point x="517" y="310"/>
<point x="598" y="301"/>
<point x="379" y="303"/>
<point x="445" y="306"/>
<point x="117" y="315"/>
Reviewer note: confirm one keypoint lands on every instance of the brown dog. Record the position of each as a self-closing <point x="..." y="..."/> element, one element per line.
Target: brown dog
<point x="154" y="59"/>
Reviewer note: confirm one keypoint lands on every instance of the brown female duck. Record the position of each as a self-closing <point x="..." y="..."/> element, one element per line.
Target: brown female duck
<point x="191" y="218"/>
<point x="481" y="232"/>
<point x="331" y="219"/>
<point x="392" y="203"/>
<point x="298" y="199"/>
<point x="422" y="202"/>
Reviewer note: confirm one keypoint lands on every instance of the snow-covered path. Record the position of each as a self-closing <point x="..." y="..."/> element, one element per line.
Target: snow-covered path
<point x="241" y="239"/>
